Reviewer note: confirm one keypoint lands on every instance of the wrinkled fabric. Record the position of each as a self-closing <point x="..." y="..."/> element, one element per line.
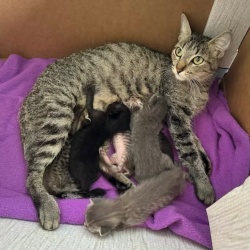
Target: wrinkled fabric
<point x="225" y="142"/>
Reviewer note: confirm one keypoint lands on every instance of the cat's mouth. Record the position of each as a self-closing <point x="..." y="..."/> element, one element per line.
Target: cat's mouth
<point x="179" y="76"/>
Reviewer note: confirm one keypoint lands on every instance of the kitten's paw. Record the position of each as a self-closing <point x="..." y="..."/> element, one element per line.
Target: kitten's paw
<point x="205" y="192"/>
<point x="87" y="121"/>
<point x="114" y="159"/>
<point x="153" y="100"/>
<point x="133" y="103"/>
<point x="122" y="187"/>
<point x="49" y="214"/>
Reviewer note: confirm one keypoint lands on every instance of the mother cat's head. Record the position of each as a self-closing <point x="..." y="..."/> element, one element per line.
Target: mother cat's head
<point x="196" y="57"/>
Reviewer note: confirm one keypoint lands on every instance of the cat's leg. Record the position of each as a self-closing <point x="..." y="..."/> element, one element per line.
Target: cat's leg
<point x="49" y="214"/>
<point x="81" y="119"/>
<point x="189" y="149"/>
<point x="43" y="140"/>
<point x="203" y="155"/>
<point x="57" y="179"/>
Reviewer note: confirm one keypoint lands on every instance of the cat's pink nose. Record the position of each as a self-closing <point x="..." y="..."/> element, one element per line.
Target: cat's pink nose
<point x="180" y="66"/>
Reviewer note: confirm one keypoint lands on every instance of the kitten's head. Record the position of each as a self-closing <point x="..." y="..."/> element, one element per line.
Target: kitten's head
<point x="150" y="115"/>
<point x="102" y="217"/>
<point x="117" y="118"/>
<point x="196" y="57"/>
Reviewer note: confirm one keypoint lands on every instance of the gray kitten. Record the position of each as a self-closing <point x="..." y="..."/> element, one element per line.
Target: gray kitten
<point x="160" y="180"/>
<point x="135" y="206"/>
<point x="120" y="71"/>
<point x="146" y="125"/>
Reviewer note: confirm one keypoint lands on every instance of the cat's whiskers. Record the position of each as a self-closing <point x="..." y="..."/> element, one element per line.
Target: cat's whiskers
<point x="196" y="86"/>
<point x="161" y="72"/>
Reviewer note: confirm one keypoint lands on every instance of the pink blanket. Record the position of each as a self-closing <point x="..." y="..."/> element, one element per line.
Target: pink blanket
<point x="223" y="139"/>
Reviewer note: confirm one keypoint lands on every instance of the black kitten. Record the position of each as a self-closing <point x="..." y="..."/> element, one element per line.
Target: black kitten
<point x="84" y="154"/>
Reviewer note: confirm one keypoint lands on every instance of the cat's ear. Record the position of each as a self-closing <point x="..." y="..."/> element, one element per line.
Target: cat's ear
<point x="103" y="231"/>
<point x="185" y="31"/>
<point x="220" y="44"/>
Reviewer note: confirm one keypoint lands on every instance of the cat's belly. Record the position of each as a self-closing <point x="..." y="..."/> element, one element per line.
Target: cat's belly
<point x="103" y="99"/>
<point x="105" y="95"/>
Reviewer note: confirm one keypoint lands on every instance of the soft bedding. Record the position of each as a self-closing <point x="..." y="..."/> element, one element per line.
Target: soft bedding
<point x="224" y="140"/>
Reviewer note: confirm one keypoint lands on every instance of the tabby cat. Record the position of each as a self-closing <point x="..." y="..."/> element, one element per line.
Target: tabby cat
<point x="119" y="71"/>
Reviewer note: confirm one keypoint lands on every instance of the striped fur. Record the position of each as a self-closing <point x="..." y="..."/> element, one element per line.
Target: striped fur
<point x="119" y="71"/>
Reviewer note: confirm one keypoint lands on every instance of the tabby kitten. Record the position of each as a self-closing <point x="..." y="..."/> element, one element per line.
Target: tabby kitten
<point x="119" y="71"/>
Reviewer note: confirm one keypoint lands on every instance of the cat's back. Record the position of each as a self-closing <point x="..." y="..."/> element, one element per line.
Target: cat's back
<point x="102" y="64"/>
<point x="118" y="70"/>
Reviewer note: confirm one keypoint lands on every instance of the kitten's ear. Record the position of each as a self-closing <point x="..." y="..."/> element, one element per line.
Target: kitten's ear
<point x="103" y="231"/>
<point x="220" y="44"/>
<point x="185" y="31"/>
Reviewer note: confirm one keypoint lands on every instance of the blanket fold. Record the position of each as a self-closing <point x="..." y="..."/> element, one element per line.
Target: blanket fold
<point x="224" y="140"/>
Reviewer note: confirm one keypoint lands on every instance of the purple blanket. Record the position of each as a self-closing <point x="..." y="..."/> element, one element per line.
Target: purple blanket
<point x="225" y="142"/>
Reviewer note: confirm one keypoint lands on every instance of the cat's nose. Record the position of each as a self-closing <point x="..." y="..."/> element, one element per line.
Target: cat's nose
<point x="179" y="70"/>
<point x="180" y="66"/>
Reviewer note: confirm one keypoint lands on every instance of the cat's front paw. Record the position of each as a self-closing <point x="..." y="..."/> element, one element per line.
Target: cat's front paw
<point x="204" y="191"/>
<point x="49" y="214"/>
<point x="206" y="163"/>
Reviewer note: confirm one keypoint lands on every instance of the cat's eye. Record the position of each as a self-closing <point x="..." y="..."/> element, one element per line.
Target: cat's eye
<point x="198" y="60"/>
<point x="178" y="52"/>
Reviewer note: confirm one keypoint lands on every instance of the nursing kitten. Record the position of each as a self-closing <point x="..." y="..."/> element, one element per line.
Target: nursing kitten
<point x="160" y="180"/>
<point x="119" y="71"/>
<point x="148" y="158"/>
